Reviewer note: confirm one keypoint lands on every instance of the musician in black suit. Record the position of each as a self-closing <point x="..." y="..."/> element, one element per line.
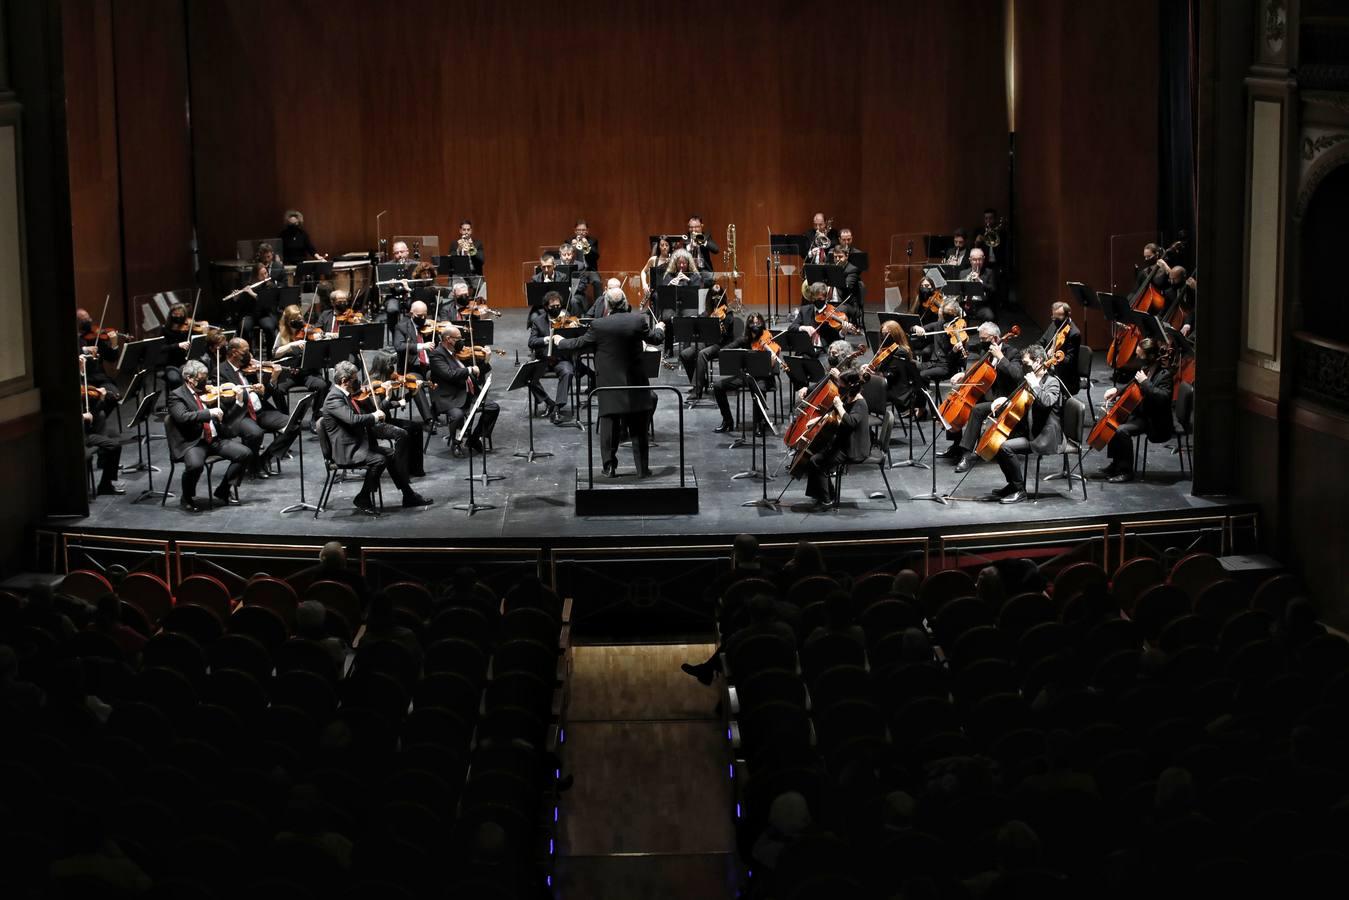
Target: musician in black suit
<point x="413" y="349"/>
<point x="108" y="447"/>
<point x="1007" y="375"/>
<point x="959" y="253"/>
<point x="822" y="334"/>
<point x="1152" y="417"/>
<point x="354" y="436"/>
<point x="851" y="441"/>
<point x="697" y="361"/>
<point x="256" y="306"/>
<point x="611" y="302"/>
<point x="1040" y="430"/>
<point x="819" y="240"/>
<point x="582" y="239"/>
<point x="1061" y="317"/>
<point x="618" y="344"/>
<point x="399" y="294"/>
<point x="194" y="432"/>
<point x="1179" y="296"/>
<point x="947" y="357"/>
<point x="254" y="412"/>
<point x="547" y="273"/>
<point x="101" y="349"/>
<point x="457" y="385"/>
<point x="845" y="240"/>
<point x="701" y="247"/>
<point x="978" y="271"/>
<point x="754" y="329"/>
<point x="296" y="246"/>
<point x="583" y="276"/>
<point x="468" y="245"/>
<point x="851" y="298"/>
<point x="541" y="342"/>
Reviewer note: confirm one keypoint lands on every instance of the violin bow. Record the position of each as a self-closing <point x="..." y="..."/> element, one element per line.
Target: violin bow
<point x="373" y="396"/>
<point x="102" y="318"/>
<point x="191" y="323"/>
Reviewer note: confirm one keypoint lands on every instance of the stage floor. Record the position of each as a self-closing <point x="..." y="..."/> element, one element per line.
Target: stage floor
<point x="535" y="501"/>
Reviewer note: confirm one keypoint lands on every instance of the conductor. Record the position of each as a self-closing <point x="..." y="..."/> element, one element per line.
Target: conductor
<point x="617" y="342"/>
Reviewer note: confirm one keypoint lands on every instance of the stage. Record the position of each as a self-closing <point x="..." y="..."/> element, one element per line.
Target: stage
<point x="534" y="514"/>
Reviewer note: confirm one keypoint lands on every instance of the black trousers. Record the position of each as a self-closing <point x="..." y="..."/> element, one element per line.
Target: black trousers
<point x="1009" y="459"/>
<point x="251" y="431"/>
<point x="194" y="463"/>
<point x="818" y="467"/>
<point x="974" y="428"/>
<point x="737" y="383"/>
<point x="378" y="459"/>
<point x="109" y="455"/>
<point x="565" y="373"/>
<point x="698" y="365"/>
<point x="1121" y="446"/>
<point x="266" y="321"/>
<point x="636" y="425"/>
<point x="487" y="420"/>
<point x="314" y="384"/>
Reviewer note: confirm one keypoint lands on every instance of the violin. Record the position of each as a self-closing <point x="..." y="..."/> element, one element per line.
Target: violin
<point x="1011" y="414"/>
<point x="433" y="326"/>
<point x="566" y="322"/>
<point x="185" y="327"/>
<point x="311" y="333"/>
<point x="94" y="338"/>
<point x="477" y="310"/>
<point x="214" y="394"/>
<point x="270" y="368"/>
<point x="409" y="382"/>
<point x="934" y="302"/>
<point x="956" y="330"/>
<point x="766" y="341"/>
<point x="830" y="315"/>
<point x="377" y="388"/>
<point x="958" y="405"/>
<point x="476" y="352"/>
<point x="349" y="317"/>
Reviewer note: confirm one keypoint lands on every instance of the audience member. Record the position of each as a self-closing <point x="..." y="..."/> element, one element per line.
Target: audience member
<point x="108" y="620"/>
<point x="310" y="624"/>
<point x="839" y="607"/>
<point x="332" y="566"/>
<point x="380" y="626"/>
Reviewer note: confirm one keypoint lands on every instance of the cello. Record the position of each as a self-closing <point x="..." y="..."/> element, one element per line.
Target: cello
<point x="1147" y="300"/>
<point x="1011" y="414"/>
<point x="1126" y="401"/>
<point x="958" y="405"/>
<point x="816" y="404"/>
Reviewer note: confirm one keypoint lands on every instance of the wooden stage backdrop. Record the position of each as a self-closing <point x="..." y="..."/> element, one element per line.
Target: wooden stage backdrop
<point x="890" y="117"/>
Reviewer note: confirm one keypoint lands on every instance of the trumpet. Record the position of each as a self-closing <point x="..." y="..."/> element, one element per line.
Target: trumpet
<point x="581" y="244"/>
<point x="465" y="246"/>
<point x="698" y="239"/>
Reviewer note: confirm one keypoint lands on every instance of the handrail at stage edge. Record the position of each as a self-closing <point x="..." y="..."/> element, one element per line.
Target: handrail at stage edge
<point x="590" y="422"/>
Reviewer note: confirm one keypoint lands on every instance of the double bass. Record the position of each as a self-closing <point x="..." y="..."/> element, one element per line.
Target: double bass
<point x="1011" y="414"/>
<point x="958" y="405"/>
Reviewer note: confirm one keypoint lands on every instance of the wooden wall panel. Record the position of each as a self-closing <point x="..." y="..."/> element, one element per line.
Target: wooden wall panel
<point x="91" y="133"/>
<point x="755" y="114"/>
<point x="149" y="42"/>
<point x="1086" y="122"/>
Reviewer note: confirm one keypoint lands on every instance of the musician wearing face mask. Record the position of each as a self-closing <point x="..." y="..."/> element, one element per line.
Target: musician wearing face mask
<point x="1060" y="318"/>
<point x="194" y="432"/>
<point x="96" y="437"/>
<point x="1153" y="416"/>
<point x="457" y="385"/>
<point x="697" y="361"/>
<point x="383" y="365"/>
<point x="330" y="320"/>
<point x="947" y="357"/>
<point x="850" y="298"/>
<point x="586" y="244"/>
<point x="548" y="273"/>
<point x="850" y="443"/>
<point x="978" y="271"/>
<point x="1154" y="268"/>
<point x="296" y="246"/>
<point x="177" y="341"/>
<point x="412" y="347"/>
<point x="924" y="306"/>
<point x="289" y="351"/>
<point x="1007" y="376"/>
<point x="541" y="322"/>
<point x="1179" y="294"/>
<point x="100" y="351"/>
<point x="213" y="349"/>
<point x="355" y="435"/>
<point x="257" y="305"/>
<point x="254" y="412"/>
<point x="755" y="326"/>
<point x="822" y="334"/>
<point x="701" y="247"/>
<point x="1040" y="430"/>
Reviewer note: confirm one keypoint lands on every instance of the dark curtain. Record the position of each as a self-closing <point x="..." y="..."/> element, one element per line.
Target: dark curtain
<point x="1177" y="180"/>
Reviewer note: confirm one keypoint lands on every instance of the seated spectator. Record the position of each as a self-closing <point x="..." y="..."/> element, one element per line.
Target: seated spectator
<point x="745" y="563"/>
<point x="332" y="566"/>
<point x="788" y="819"/>
<point x="906" y="583"/>
<point x="1299" y="623"/>
<point x="15" y="693"/>
<point x="1017" y="849"/>
<point x="839" y="607"/>
<point x="464" y="590"/>
<point x="380" y="626"/>
<point x="990" y="590"/>
<point x="916" y="646"/>
<point x="108" y="620"/>
<point x="806" y="560"/>
<point x="41" y="612"/>
<point x="310" y="620"/>
<point x="767" y="616"/>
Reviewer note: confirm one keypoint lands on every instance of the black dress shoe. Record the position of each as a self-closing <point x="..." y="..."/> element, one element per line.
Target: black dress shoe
<point x="365" y="503"/>
<point x="412" y="498"/>
<point x="725" y="426"/>
<point x="610" y="470"/>
<point x="1015" y="496"/>
<point x="1109" y="470"/>
<point x="702" y="671"/>
<point x="225" y="499"/>
<point x="456" y="449"/>
<point x="1121" y="477"/>
<point x="952" y="452"/>
<point x="110" y="487"/>
<point x="188" y="504"/>
<point x="1006" y="489"/>
<point x="550" y="410"/>
<point x="966" y="464"/>
<point x="646" y="473"/>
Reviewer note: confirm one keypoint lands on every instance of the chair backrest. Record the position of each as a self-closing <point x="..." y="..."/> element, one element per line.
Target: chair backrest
<point x="207" y="591"/>
<point x="336" y="597"/>
<point x="325" y="443"/>
<point x="1184" y="406"/>
<point x="147" y="592"/>
<point x="85" y="584"/>
<point x="274" y="594"/>
<point x="1085" y="356"/>
<point x="1074" y="413"/>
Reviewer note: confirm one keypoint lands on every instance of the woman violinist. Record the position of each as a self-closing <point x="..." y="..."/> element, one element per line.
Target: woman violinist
<point x="947" y="341"/>
<point x="178" y="332"/>
<point x="754" y="338"/>
<point x="291" y="337"/>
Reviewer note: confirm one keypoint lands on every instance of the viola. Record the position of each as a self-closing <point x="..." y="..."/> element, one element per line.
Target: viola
<point x="1011" y="414"/>
<point x="565" y="322"/>
<point x="476" y="352"/>
<point x="349" y="317"/>
<point x="934" y="302"/>
<point x="215" y="393"/>
<point x="960" y="403"/>
<point x="830" y="315"/>
<point x="766" y="342"/>
<point x="477" y="310"/>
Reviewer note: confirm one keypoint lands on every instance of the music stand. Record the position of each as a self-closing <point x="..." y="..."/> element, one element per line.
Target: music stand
<point x="136" y="386"/>
<point x="780" y="245"/>
<point x="483" y="330"/>
<point x="325" y="354"/>
<point x="524" y="376"/>
<point x="463" y="267"/>
<point x="750" y="366"/>
<point x="907" y="321"/>
<point x="935" y="409"/>
<point x="910" y="368"/>
<point x="697" y="330"/>
<point x="1087" y="298"/>
<point x="472" y="505"/>
<point x="146" y="354"/>
<point x="294" y="421"/>
<point x="535" y="291"/>
<point x="969" y="292"/>
<point x="764" y="501"/>
<point x="830" y="275"/>
<point x="935" y="245"/>
<point x="860" y="259"/>
<point x="369" y="336"/>
<point x="312" y="271"/>
<point x="141" y="422"/>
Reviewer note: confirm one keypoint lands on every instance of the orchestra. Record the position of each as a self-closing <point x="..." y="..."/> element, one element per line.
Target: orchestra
<point x="228" y="393"/>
